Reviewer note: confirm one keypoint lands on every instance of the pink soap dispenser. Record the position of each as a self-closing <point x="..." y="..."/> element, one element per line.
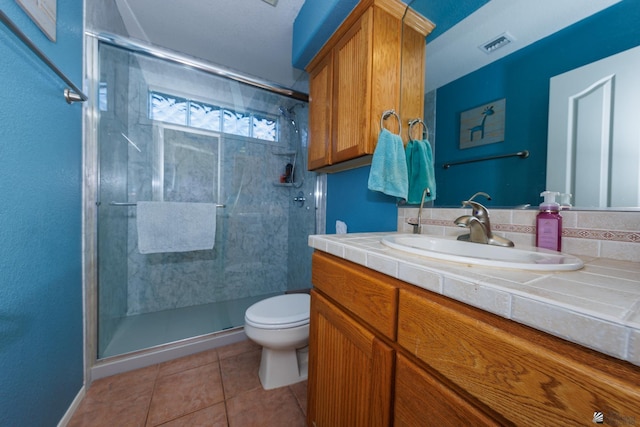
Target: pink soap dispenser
<point x="549" y="223"/>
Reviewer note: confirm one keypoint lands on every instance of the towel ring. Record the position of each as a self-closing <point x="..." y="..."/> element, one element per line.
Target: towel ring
<point x="386" y="115"/>
<point x="425" y="129"/>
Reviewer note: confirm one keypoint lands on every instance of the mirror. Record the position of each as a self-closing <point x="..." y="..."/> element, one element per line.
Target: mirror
<point x="522" y="80"/>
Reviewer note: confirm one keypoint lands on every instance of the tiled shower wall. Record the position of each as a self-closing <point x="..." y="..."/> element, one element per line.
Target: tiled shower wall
<point x="606" y="234"/>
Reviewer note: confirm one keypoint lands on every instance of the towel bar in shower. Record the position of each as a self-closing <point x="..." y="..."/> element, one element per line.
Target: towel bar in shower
<point x="135" y="204"/>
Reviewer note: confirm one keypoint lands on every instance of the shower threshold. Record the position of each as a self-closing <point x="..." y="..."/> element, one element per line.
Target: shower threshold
<point x="142" y="331"/>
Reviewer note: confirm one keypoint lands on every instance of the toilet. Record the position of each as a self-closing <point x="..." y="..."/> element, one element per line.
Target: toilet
<point x="280" y="325"/>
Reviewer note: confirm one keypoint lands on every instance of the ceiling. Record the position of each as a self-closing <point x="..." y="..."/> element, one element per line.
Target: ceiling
<point x="255" y="38"/>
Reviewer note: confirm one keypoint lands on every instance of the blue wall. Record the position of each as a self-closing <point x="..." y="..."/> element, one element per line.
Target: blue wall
<point x="349" y="200"/>
<point x="315" y="23"/>
<point x="41" y="347"/>
<point x="523" y="79"/>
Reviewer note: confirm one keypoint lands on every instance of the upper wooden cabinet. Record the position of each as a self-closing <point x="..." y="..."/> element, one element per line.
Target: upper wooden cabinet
<point x="373" y="62"/>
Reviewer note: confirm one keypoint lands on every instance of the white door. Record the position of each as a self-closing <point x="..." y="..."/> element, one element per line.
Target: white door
<point x="594" y="132"/>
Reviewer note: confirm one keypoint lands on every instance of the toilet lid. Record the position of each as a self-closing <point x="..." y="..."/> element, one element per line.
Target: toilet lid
<point x="287" y="311"/>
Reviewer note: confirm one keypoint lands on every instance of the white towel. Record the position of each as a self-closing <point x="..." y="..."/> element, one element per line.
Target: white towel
<point x="175" y="227"/>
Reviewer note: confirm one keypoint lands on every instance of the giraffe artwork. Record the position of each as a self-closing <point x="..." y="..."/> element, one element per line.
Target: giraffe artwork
<point x="483" y="125"/>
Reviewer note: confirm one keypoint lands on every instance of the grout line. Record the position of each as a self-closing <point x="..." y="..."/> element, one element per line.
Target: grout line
<point x="153" y="392"/>
<point x="224" y="393"/>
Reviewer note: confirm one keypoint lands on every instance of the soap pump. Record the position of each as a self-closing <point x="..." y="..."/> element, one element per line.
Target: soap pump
<point x="549" y="223"/>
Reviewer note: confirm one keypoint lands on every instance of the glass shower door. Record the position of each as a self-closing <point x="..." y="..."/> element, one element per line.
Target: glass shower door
<point x="169" y="133"/>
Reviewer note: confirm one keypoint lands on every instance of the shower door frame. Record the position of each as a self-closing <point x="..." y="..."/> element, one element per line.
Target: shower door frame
<point x="94" y="367"/>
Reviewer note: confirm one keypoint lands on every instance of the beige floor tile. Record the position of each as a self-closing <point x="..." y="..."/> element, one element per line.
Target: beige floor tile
<point x="237" y="348"/>
<point x="188" y="362"/>
<point x="185" y="392"/>
<point x="131" y="412"/>
<point x="213" y="416"/>
<point x="300" y="392"/>
<point x="121" y="399"/>
<point x="124" y="384"/>
<point x="261" y="408"/>
<point x="240" y="373"/>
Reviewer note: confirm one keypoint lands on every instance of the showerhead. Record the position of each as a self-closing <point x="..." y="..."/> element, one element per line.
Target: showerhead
<point x="289" y="115"/>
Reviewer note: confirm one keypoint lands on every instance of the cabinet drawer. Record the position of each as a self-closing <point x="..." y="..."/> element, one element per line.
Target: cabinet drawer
<point x="422" y="400"/>
<point x="529" y="377"/>
<point x="368" y="295"/>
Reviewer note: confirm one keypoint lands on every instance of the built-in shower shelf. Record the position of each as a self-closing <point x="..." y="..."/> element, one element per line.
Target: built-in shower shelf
<point x="283" y="184"/>
<point x="284" y="153"/>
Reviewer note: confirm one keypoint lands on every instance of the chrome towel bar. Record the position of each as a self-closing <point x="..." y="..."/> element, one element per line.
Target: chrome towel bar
<point x="70" y="95"/>
<point x="135" y="204"/>
<point x="522" y="154"/>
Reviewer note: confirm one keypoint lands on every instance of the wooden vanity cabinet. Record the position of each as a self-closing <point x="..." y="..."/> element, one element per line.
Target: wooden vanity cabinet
<point x="357" y="75"/>
<point x="409" y="357"/>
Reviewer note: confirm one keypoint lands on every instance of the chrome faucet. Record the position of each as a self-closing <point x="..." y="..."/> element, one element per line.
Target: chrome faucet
<point x="417" y="227"/>
<point x="478" y="224"/>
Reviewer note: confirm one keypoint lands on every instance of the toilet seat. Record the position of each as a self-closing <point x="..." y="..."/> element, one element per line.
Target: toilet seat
<point x="282" y="311"/>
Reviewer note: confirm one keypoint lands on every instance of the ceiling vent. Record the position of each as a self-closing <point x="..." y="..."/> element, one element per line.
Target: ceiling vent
<point x="496" y="43"/>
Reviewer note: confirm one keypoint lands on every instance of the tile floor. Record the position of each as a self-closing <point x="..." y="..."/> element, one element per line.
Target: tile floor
<point x="218" y="387"/>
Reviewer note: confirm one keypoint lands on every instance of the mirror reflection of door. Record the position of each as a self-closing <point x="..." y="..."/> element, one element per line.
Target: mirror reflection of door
<point x="594" y="132"/>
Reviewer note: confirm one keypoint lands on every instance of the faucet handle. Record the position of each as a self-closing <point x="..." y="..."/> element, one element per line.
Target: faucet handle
<point x="477" y="210"/>
<point x="480" y="193"/>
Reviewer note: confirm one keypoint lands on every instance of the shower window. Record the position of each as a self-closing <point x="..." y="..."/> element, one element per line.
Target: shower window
<point x="173" y="109"/>
<point x="167" y="108"/>
<point x="264" y="128"/>
<point x="204" y="116"/>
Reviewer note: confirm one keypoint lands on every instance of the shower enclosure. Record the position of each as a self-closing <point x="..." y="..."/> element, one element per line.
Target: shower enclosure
<point x="169" y="132"/>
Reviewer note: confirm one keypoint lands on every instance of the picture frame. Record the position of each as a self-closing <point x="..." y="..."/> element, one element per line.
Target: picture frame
<point x="483" y="125"/>
<point x="43" y="13"/>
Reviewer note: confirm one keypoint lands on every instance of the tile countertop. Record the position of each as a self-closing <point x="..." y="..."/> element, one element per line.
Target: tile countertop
<point x="597" y="306"/>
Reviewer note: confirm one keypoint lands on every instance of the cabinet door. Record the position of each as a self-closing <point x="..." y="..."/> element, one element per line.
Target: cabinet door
<point x="352" y="76"/>
<point x="320" y="98"/>
<point x="350" y="371"/>
<point x="422" y="400"/>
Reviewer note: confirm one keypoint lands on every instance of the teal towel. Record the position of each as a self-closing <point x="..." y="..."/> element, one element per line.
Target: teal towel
<point x="420" y="171"/>
<point x="389" y="167"/>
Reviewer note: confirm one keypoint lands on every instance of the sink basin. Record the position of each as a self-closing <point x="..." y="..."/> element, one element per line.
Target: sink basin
<point x="449" y="249"/>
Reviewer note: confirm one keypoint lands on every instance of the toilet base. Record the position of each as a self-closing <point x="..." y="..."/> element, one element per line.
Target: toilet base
<point x="279" y="368"/>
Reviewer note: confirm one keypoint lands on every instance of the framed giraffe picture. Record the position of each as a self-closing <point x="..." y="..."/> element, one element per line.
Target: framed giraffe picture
<point x="483" y="125"/>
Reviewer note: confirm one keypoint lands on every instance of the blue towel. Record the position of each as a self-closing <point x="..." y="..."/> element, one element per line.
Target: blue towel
<point x="389" y="167"/>
<point x="420" y="171"/>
